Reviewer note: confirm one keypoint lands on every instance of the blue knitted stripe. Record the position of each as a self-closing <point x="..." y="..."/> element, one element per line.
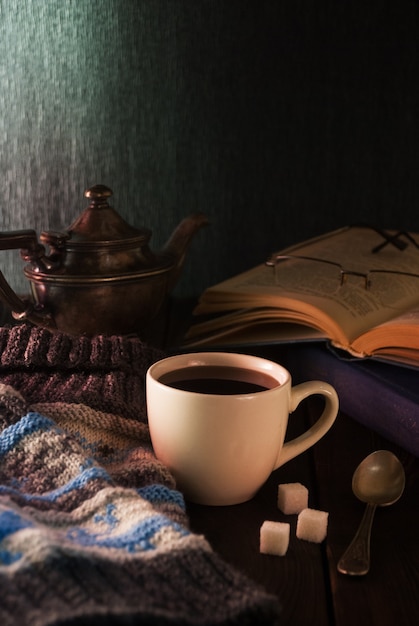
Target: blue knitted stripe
<point x="139" y="538"/>
<point x="27" y="425"/>
<point x="78" y="482"/>
<point x="157" y="494"/>
<point x="11" y="522"/>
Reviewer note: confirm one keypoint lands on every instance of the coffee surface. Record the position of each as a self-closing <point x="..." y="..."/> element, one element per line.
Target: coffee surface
<point x="222" y="380"/>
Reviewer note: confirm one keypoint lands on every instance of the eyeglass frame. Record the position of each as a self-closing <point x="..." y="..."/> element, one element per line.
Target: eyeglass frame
<point x="344" y="273"/>
<point x="389" y="238"/>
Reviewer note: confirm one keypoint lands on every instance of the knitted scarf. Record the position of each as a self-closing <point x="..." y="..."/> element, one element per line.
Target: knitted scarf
<point x="92" y="528"/>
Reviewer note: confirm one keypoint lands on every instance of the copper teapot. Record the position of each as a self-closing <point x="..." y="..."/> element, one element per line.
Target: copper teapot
<point x="100" y="276"/>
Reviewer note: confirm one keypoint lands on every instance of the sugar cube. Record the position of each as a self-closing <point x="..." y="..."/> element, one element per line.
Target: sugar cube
<point x="274" y="538"/>
<point x="292" y="498"/>
<point x="312" y="525"/>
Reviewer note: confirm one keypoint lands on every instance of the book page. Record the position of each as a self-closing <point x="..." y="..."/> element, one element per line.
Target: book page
<point x="398" y="336"/>
<point x="343" y="312"/>
<point x="264" y="332"/>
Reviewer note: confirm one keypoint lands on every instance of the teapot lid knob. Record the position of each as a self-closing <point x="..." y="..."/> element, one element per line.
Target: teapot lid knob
<point x="100" y="224"/>
<point x="98" y="194"/>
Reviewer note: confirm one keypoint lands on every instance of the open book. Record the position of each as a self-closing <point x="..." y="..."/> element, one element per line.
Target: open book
<point x="355" y="287"/>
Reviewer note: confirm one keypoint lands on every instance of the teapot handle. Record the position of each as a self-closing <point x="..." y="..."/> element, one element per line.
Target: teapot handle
<point x="24" y="239"/>
<point x="30" y="249"/>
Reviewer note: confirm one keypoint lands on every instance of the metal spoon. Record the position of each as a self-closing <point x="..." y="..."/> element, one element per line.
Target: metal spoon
<point x="379" y="481"/>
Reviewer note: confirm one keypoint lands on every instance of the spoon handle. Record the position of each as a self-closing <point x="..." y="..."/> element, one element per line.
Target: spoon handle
<point x="356" y="559"/>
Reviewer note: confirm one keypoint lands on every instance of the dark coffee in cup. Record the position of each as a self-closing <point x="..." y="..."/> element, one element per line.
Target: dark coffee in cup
<point x="215" y="379"/>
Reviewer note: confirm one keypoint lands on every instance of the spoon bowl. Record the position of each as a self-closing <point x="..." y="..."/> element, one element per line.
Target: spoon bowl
<point x="378" y="480"/>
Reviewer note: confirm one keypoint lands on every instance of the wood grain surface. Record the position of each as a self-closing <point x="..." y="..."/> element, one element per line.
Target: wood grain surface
<point x="306" y="580"/>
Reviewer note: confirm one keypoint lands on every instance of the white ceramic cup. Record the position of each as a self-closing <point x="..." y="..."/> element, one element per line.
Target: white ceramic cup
<point x="221" y="448"/>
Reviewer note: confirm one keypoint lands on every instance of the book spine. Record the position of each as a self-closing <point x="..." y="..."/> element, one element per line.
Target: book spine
<point x="373" y="398"/>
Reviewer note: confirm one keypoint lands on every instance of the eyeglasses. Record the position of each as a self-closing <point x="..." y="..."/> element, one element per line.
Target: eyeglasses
<point x="319" y="276"/>
<point x="395" y="239"/>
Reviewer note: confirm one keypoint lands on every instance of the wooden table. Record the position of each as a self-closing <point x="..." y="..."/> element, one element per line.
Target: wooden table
<point x="306" y="580"/>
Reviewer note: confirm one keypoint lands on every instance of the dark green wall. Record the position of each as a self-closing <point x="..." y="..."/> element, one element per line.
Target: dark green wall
<point x="278" y="119"/>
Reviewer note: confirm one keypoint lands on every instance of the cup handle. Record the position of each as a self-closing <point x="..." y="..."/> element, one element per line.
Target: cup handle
<point x="299" y="444"/>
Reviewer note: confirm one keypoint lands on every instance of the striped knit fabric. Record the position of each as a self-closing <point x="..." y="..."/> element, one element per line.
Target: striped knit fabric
<point x="92" y="529"/>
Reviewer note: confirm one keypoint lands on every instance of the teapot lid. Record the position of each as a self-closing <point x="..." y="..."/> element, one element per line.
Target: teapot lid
<point x="100" y="242"/>
<point x="99" y="222"/>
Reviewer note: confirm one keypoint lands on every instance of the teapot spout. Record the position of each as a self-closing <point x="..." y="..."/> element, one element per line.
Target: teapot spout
<point x="178" y="243"/>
